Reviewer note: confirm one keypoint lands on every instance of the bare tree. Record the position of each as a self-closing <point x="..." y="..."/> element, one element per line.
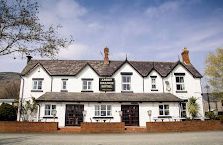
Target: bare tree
<point x="21" y="31"/>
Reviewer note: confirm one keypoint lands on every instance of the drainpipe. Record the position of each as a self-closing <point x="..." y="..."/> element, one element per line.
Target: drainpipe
<point x="38" y="113"/>
<point x="143" y="83"/>
<point x="51" y="89"/>
<point x="163" y="84"/>
<point x="20" y="100"/>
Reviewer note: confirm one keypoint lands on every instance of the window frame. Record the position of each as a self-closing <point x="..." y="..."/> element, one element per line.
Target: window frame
<point x="98" y="110"/>
<point x="181" y="84"/>
<point x="153" y="83"/>
<point x="183" y="110"/>
<point x="164" y="110"/>
<point x="126" y="83"/>
<point x="88" y="81"/>
<point x="36" y="84"/>
<point x="62" y="85"/>
<point x="50" y="109"/>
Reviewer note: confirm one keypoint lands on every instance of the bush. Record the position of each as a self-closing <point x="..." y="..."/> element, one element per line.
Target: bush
<point x="210" y="115"/>
<point x="7" y="112"/>
<point x="221" y="118"/>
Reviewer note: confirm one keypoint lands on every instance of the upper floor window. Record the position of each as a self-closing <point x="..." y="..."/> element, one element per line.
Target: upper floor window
<point x="164" y="110"/>
<point x="180" y="83"/>
<point x="50" y="110"/>
<point x="180" y="86"/>
<point x="87" y="84"/>
<point x="64" y="84"/>
<point x="126" y="82"/>
<point x="103" y="110"/>
<point x="37" y="84"/>
<point x="153" y="83"/>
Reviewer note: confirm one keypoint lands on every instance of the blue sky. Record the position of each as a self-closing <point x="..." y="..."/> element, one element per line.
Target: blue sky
<point x="154" y="30"/>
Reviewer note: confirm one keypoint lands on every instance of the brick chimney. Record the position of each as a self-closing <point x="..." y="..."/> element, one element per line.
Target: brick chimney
<point x="29" y="57"/>
<point x="185" y="56"/>
<point x="106" y="59"/>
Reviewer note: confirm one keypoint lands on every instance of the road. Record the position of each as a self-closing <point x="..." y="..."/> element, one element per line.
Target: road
<point x="188" y="138"/>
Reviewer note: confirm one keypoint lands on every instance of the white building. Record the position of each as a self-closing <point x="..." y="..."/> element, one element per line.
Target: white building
<point x="134" y="92"/>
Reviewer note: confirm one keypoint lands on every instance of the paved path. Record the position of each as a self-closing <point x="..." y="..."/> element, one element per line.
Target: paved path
<point x="189" y="138"/>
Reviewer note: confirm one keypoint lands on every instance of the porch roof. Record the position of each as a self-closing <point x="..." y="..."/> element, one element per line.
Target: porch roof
<point x="107" y="97"/>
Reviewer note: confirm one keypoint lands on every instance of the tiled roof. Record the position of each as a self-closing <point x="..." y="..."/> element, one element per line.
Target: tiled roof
<point x="107" y="97"/>
<point x="73" y="67"/>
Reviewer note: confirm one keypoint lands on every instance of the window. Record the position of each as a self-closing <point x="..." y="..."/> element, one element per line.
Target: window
<point x="164" y="110"/>
<point x="87" y="85"/>
<point x="183" y="109"/>
<point x="37" y="84"/>
<point x="153" y="83"/>
<point x="49" y="108"/>
<point x="126" y="82"/>
<point x="64" y="84"/>
<point x="103" y="110"/>
<point x="180" y="83"/>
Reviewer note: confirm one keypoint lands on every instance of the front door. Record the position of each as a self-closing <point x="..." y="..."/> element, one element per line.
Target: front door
<point x="130" y="115"/>
<point x="74" y="114"/>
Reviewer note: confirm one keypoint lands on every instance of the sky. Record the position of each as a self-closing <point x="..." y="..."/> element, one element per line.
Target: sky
<point x="144" y="30"/>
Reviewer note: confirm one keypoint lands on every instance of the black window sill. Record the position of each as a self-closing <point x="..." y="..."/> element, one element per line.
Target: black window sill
<point x="36" y="90"/>
<point x="154" y="90"/>
<point x="164" y="116"/>
<point x="49" y="117"/>
<point x="101" y="117"/>
<point x="86" y="91"/>
<point x="181" y="91"/>
<point x="126" y="91"/>
<point x="63" y="91"/>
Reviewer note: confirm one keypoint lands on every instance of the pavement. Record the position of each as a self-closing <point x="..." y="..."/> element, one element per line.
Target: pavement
<point x="186" y="138"/>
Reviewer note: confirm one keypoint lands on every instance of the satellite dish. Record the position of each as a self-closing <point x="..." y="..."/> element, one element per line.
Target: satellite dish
<point x="167" y="85"/>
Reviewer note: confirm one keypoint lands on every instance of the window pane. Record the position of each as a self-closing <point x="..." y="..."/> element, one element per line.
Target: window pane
<point x="181" y="79"/>
<point x="47" y="106"/>
<point x="64" y="85"/>
<point x="167" y="112"/>
<point x="39" y="85"/>
<point x="108" y="107"/>
<point x="96" y="107"/>
<point x="34" y="85"/>
<point x="160" y="106"/>
<point x="161" y="112"/>
<point x="128" y="79"/>
<point x="47" y="112"/>
<point x="177" y="79"/>
<point x="53" y="106"/>
<point x="128" y="87"/>
<point x="123" y="79"/>
<point x="97" y="113"/>
<point x="108" y="113"/>
<point x="103" y="107"/>
<point x="103" y="113"/>
<point x="166" y="106"/>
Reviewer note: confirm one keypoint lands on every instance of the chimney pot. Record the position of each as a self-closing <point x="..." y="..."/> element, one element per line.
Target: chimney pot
<point x="106" y="53"/>
<point x="185" y="56"/>
<point x="29" y="57"/>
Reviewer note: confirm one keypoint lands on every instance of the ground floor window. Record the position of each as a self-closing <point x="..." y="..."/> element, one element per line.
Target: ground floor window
<point x="183" y="109"/>
<point x="49" y="109"/>
<point x="164" y="110"/>
<point x="102" y="110"/>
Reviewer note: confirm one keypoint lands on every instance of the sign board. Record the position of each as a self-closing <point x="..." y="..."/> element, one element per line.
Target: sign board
<point x="106" y="84"/>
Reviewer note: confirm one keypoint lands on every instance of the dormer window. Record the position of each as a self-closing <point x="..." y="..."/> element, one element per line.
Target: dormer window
<point x="126" y="81"/>
<point x="180" y="86"/>
<point x="153" y="83"/>
<point x="37" y="84"/>
<point x="87" y="84"/>
<point x="64" y="85"/>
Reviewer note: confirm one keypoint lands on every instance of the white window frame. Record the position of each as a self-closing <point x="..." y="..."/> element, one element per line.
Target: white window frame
<point x="51" y="108"/>
<point x="88" y="84"/>
<point x="153" y="83"/>
<point x="164" y="110"/>
<point x="37" y="84"/>
<point x="62" y="86"/>
<point x="183" y="110"/>
<point x="181" y="84"/>
<point x="126" y="83"/>
<point x="98" y="109"/>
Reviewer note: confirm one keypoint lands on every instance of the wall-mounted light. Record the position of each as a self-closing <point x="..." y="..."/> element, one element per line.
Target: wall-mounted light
<point x="84" y="113"/>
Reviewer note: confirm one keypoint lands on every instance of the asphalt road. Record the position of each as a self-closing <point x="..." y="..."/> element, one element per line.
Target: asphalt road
<point x="188" y="138"/>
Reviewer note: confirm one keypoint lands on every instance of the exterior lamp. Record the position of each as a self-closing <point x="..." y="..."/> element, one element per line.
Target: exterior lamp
<point x="120" y="114"/>
<point x="84" y="114"/>
<point x="149" y="114"/>
<point x="208" y="88"/>
<point x="54" y="112"/>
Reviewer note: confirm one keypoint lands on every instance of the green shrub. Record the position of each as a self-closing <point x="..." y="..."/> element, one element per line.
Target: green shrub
<point x="7" y="112"/>
<point x="210" y="115"/>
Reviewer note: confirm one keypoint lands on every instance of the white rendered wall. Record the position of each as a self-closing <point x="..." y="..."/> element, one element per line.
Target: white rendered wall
<point x="148" y="83"/>
<point x="136" y="79"/>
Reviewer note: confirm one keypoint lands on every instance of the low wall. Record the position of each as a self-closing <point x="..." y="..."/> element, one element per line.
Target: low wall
<point x="102" y="127"/>
<point x="184" y="126"/>
<point x="13" y="126"/>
